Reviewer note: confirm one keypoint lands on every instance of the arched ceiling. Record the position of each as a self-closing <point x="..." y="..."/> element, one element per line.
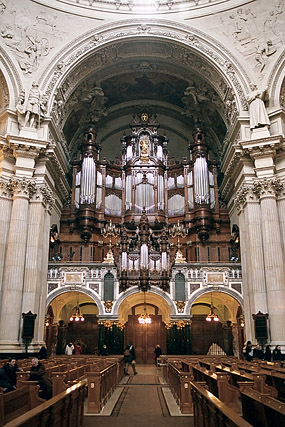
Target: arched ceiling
<point x="152" y="76"/>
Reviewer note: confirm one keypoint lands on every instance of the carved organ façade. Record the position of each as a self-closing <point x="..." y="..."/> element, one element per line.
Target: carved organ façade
<point x="144" y="211"/>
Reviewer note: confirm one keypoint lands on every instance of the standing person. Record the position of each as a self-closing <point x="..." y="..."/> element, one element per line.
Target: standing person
<point x="257" y="352"/>
<point x="78" y="349"/>
<point x="277" y="353"/>
<point x="248" y="351"/>
<point x="130" y="359"/>
<point x="104" y="351"/>
<point x="267" y="354"/>
<point x="43" y="352"/>
<point x="69" y="349"/>
<point x="38" y="373"/>
<point x="157" y="353"/>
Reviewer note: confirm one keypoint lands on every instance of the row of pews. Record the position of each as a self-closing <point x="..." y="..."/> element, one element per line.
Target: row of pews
<point x="71" y="376"/>
<point x="253" y="393"/>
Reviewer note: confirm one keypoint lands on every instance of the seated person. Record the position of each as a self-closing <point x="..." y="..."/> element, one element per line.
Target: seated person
<point x="38" y="373"/>
<point x="8" y="376"/>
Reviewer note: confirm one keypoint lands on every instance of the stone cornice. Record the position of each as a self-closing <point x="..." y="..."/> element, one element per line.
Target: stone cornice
<point x="262" y="147"/>
<point x="26" y="144"/>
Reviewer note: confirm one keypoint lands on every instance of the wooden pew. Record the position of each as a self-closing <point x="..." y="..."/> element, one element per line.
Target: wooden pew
<point x="18" y="402"/>
<point x="211" y="412"/>
<point x="63" y="410"/>
<point x="262" y="410"/>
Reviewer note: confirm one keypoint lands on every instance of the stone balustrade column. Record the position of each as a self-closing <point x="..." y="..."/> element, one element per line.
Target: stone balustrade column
<point x="13" y="278"/>
<point x="252" y="257"/>
<point x="273" y="257"/>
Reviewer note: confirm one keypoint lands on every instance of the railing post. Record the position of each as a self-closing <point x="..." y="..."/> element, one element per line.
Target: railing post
<point x="94" y="392"/>
<point x="185" y="394"/>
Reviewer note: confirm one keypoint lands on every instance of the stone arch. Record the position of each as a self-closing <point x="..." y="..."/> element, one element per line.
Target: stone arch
<point x="234" y="294"/>
<point x="276" y="80"/>
<point x="86" y="291"/>
<point x="10" y="77"/>
<point x="188" y="38"/>
<point x="154" y="290"/>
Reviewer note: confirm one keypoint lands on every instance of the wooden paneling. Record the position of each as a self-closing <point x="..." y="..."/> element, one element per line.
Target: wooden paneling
<point x="145" y="337"/>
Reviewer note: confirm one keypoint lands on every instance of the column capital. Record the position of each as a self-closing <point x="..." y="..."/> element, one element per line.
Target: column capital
<point x="265" y="187"/>
<point x="244" y="195"/>
<point x="43" y="194"/>
<point x="6" y="190"/>
<point x="22" y="187"/>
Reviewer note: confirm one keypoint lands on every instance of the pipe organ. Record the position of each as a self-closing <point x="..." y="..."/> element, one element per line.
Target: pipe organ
<point x="148" y="196"/>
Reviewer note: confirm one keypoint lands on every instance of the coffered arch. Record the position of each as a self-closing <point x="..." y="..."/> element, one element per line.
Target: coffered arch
<point x="183" y="74"/>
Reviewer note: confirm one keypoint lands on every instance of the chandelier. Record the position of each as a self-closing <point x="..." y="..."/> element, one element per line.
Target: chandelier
<point x="212" y="316"/>
<point x="144" y="318"/>
<point x="77" y="316"/>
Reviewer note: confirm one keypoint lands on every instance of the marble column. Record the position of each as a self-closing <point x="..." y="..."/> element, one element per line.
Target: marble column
<point x="254" y="285"/>
<point x="13" y="280"/>
<point x="273" y="258"/>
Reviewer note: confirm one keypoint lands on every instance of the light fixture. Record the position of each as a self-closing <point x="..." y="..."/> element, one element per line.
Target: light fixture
<point x="212" y="316"/>
<point x="144" y="318"/>
<point x="77" y="316"/>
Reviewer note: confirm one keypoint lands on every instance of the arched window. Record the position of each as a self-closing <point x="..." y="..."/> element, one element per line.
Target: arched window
<point x="109" y="287"/>
<point x="179" y="287"/>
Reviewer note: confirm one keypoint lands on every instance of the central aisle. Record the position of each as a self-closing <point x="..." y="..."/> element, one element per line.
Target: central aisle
<point x="141" y="404"/>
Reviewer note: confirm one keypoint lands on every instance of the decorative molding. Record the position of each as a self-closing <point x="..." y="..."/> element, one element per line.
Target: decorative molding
<point x="108" y="306"/>
<point x="6" y="190"/>
<point x="180" y="306"/>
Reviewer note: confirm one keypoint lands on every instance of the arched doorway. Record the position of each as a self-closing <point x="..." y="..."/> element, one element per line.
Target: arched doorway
<point x="144" y="337"/>
<point x="60" y="330"/>
<point x="216" y="337"/>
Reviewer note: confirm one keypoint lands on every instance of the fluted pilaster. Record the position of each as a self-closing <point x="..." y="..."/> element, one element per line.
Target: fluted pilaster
<point x="267" y="190"/>
<point x="10" y="319"/>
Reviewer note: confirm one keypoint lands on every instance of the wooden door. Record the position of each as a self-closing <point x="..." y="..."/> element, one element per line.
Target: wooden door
<point x="145" y="337"/>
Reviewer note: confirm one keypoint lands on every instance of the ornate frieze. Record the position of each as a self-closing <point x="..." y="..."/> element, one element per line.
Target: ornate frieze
<point x="30" y="39"/>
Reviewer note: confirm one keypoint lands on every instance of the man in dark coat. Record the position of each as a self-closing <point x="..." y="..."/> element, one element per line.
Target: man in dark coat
<point x="38" y="373"/>
<point x="8" y="376"/>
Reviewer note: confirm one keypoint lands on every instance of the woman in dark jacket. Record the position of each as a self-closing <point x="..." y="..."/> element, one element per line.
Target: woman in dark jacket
<point x="277" y="353"/>
<point x="248" y="351"/>
<point x="267" y="354"/>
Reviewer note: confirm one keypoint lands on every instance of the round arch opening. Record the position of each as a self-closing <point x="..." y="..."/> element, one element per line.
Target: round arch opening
<point x="225" y="336"/>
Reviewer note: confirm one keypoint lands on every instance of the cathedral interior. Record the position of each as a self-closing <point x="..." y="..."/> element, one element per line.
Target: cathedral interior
<point x="142" y="183"/>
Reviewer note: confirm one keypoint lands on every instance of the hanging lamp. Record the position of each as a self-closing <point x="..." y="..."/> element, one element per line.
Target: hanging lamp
<point x="144" y="318"/>
<point x="77" y="316"/>
<point x="212" y="316"/>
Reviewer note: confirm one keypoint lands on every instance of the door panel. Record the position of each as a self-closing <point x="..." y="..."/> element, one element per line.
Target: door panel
<point x="145" y="337"/>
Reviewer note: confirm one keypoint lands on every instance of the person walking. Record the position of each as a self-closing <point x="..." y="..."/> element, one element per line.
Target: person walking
<point x="130" y="359"/>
